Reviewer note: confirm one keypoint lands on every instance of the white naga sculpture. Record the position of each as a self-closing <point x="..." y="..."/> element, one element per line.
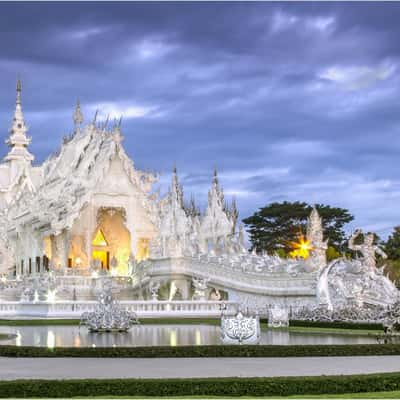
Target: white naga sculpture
<point x="368" y="249"/>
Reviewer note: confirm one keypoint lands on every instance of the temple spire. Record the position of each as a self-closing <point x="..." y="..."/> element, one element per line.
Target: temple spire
<point x="176" y="190"/>
<point x="78" y="116"/>
<point x="216" y="193"/>
<point x="18" y="141"/>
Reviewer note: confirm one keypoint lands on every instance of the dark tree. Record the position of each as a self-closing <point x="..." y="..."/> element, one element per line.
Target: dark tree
<point x="392" y="245"/>
<point x="274" y="227"/>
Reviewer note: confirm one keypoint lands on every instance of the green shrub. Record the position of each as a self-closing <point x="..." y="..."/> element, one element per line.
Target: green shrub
<point x="204" y="351"/>
<point x="201" y="387"/>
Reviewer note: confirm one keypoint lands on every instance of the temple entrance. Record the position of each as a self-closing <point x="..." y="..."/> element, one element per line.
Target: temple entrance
<point x="111" y="239"/>
<point x="103" y="257"/>
<point x="100" y="250"/>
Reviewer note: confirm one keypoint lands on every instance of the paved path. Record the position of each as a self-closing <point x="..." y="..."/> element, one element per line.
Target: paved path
<point x="70" y="368"/>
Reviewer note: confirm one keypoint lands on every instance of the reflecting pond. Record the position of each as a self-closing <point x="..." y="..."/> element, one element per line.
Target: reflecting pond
<point x="163" y="335"/>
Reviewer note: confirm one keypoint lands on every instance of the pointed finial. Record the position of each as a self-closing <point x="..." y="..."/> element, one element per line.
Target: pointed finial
<point x="106" y="122"/>
<point x="78" y="116"/>
<point x="174" y="170"/>
<point x="215" y="176"/>
<point x="19" y="90"/>
<point x="95" y="117"/>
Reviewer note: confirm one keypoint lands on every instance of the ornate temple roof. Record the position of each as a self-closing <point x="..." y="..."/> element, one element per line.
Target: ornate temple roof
<point x="71" y="176"/>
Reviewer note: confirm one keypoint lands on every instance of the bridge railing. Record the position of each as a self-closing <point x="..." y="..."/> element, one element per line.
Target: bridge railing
<point x="143" y="309"/>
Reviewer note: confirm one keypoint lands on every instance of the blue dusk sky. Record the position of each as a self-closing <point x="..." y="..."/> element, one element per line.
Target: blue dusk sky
<point x="289" y="101"/>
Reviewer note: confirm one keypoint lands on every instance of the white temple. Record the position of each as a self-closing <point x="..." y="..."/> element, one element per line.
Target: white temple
<point x="89" y="203"/>
<point x="87" y="212"/>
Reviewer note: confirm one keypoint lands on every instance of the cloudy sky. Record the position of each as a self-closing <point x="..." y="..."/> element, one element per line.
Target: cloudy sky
<point x="289" y="101"/>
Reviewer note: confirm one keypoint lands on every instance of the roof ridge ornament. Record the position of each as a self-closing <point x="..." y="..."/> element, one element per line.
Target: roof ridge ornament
<point x="118" y="136"/>
<point x="78" y="116"/>
<point x="95" y="117"/>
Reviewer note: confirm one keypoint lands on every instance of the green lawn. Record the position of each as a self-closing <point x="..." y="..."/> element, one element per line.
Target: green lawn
<point x="196" y="321"/>
<point x="376" y="395"/>
<point x="369" y="395"/>
<point x="5" y="336"/>
<point x="306" y="329"/>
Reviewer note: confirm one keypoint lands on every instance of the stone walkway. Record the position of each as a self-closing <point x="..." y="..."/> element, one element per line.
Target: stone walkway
<point x="75" y="368"/>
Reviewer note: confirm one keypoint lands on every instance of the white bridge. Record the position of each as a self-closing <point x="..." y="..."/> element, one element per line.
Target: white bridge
<point x="240" y="278"/>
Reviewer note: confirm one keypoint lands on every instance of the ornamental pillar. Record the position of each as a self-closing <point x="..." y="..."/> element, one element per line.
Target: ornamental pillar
<point x="66" y="236"/>
<point x="88" y="246"/>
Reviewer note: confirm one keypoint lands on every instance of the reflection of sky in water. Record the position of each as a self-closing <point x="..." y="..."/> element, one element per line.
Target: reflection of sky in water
<point x="161" y="335"/>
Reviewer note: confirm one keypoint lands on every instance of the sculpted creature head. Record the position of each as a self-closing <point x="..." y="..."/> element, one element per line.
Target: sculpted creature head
<point x="369" y="239"/>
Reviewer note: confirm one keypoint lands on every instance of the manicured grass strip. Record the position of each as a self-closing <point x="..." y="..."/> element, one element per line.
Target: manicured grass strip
<point x="368" y="395"/>
<point x="284" y="386"/>
<point x="204" y="351"/>
<point x="339" y="331"/>
<point x="336" y="325"/>
<point x="6" y="336"/>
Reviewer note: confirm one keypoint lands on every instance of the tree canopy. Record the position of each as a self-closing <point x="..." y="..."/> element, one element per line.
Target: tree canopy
<point x="273" y="227"/>
<point x="392" y="245"/>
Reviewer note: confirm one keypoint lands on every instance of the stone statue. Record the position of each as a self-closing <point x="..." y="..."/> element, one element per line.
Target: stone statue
<point x="278" y="317"/>
<point x="315" y="236"/>
<point x="200" y="287"/>
<point x="132" y="265"/>
<point x="367" y="249"/>
<point x="154" y="287"/>
<point x="114" y="266"/>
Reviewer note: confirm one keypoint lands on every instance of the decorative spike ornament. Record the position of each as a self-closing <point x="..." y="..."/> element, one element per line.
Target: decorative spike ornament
<point x="95" y="118"/>
<point x="234" y="213"/>
<point x="78" y="116"/>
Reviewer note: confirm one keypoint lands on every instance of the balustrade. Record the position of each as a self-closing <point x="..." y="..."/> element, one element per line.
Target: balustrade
<point x="73" y="309"/>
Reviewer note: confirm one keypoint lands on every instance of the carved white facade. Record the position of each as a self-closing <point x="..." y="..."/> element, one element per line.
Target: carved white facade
<point x="89" y="203"/>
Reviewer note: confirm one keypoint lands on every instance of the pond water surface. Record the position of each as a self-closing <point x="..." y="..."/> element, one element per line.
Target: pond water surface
<point x="163" y="335"/>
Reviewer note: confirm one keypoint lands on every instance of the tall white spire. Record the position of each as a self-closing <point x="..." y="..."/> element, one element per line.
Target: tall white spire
<point x="18" y="141"/>
<point x="176" y="191"/>
<point x="216" y="193"/>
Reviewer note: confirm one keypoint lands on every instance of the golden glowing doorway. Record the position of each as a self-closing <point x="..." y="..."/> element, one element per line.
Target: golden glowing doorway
<point x="103" y="257"/>
<point x="111" y="239"/>
<point x="100" y="249"/>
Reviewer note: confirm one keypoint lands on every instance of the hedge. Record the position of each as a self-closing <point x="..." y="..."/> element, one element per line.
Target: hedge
<point x="283" y="386"/>
<point x="204" y="351"/>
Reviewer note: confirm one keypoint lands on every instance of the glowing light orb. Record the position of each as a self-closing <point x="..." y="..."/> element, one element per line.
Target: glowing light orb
<point x="301" y="249"/>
